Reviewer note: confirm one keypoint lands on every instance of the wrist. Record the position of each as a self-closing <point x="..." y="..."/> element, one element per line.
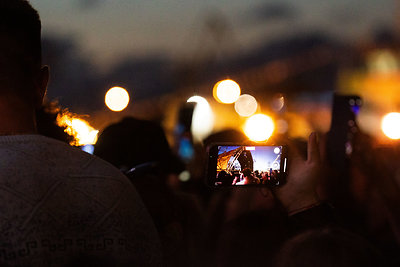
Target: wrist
<point x="302" y="208"/>
<point x="301" y="204"/>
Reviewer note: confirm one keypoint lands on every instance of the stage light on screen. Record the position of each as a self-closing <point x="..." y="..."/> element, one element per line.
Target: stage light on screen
<point x="246" y="105"/>
<point x="203" y="118"/>
<point x="117" y="99"/>
<point x="391" y="125"/>
<point x="259" y="127"/>
<point x="277" y="150"/>
<point x="226" y="91"/>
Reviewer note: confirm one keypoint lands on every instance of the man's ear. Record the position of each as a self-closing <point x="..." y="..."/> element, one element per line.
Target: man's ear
<point x="42" y="81"/>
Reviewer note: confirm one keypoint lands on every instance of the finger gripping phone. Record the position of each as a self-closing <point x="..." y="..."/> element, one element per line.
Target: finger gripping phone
<point x="246" y="165"/>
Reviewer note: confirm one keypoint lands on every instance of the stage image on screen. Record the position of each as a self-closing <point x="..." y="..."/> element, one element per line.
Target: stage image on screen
<point x="247" y="165"/>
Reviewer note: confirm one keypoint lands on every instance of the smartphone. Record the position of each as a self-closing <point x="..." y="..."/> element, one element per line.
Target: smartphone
<point x="246" y="165"/>
<point x="339" y="148"/>
<point x="343" y="128"/>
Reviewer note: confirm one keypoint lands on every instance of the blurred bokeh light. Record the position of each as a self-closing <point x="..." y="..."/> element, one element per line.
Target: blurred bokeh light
<point x="259" y="127"/>
<point x="382" y="61"/>
<point x="278" y="102"/>
<point x="226" y="91"/>
<point x="203" y="118"/>
<point x="117" y="99"/>
<point x="246" y="105"/>
<point x="184" y="176"/>
<point x="282" y="126"/>
<point x="391" y="125"/>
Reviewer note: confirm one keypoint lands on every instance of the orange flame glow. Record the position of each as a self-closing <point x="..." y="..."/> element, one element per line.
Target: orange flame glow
<point x="82" y="131"/>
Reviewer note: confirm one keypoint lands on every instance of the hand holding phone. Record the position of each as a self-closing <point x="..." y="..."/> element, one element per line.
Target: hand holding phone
<point x="300" y="190"/>
<point x="294" y="182"/>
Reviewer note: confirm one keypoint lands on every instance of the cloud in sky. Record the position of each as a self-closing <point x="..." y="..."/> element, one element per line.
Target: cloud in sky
<point x="88" y="4"/>
<point x="272" y="11"/>
<point x="346" y="13"/>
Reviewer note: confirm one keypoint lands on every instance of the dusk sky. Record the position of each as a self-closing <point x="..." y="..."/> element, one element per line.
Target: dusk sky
<point x="108" y="30"/>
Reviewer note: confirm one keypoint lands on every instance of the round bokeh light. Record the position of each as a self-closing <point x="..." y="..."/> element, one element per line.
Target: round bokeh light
<point x="259" y="127"/>
<point x="226" y="91"/>
<point x="246" y="105"/>
<point x="391" y="125"/>
<point x="117" y="99"/>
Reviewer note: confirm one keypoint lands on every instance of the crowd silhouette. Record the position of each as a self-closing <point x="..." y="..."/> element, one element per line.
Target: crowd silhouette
<point x="126" y="206"/>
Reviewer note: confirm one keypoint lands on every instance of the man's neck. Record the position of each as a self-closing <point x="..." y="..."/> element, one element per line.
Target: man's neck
<point x="16" y="117"/>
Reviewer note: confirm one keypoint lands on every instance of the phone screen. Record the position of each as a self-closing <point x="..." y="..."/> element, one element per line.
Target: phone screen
<point x="235" y="165"/>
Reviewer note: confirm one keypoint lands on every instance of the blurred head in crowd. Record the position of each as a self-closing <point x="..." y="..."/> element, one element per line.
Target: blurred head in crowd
<point x="132" y="142"/>
<point x="227" y="135"/>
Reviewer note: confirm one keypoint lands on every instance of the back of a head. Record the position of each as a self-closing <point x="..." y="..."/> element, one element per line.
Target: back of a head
<point x="20" y="46"/>
<point x="227" y="135"/>
<point x="132" y="142"/>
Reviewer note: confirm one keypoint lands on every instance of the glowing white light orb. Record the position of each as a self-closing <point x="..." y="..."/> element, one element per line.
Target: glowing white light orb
<point x="117" y="99"/>
<point x="259" y="127"/>
<point x="277" y="150"/>
<point x="391" y="125"/>
<point x="246" y="105"/>
<point x="184" y="176"/>
<point x="203" y="118"/>
<point x="226" y="91"/>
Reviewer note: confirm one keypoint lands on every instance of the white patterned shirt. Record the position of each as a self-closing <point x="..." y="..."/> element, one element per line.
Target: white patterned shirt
<point x="60" y="205"/>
